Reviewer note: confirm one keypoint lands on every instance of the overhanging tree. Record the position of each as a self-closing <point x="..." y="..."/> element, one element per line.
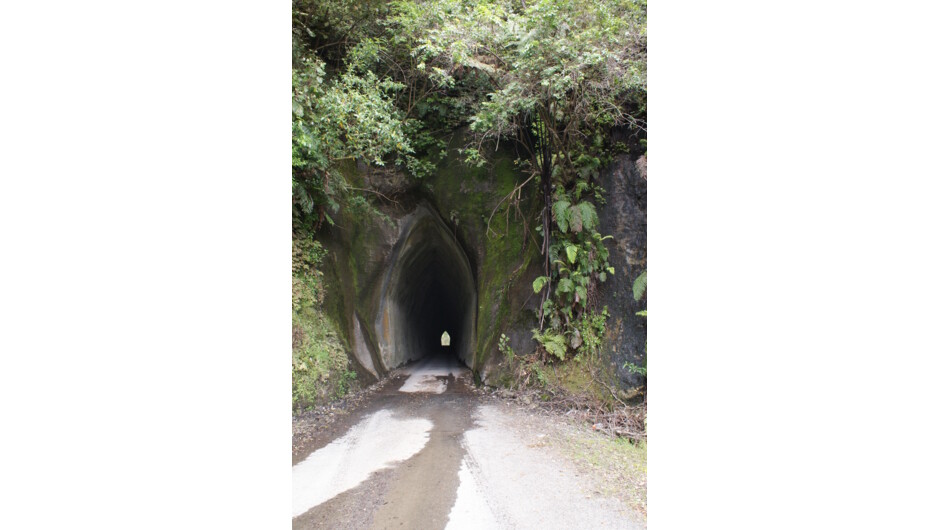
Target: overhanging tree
<point x="561" y="73"/>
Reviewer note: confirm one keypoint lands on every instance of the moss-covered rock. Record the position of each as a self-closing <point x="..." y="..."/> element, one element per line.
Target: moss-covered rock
<point x="320" y="367"/>
<point x="499" y="253"/>
<point x="497" y="232"/>
<point x="493" y="227"/>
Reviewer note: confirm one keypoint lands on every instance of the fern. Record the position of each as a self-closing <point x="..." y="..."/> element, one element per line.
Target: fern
<point x="580" y="187"/>
<point x="588" y="215"/>
<point x="562" y="216"/>
<point x="554" y="343"/>
<point x="639" y="286"/>
<point x="574" y="215"/>
<point x="572" y="252"/>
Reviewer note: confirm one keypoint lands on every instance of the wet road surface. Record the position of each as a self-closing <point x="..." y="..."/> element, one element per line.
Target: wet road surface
<point x="424" y="452"/>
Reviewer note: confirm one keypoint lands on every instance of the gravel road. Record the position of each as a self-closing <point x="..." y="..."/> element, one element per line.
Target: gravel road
<point x="428" y="451"/>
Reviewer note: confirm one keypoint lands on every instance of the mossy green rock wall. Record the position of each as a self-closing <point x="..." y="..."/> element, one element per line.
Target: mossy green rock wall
<point x="502" y="254"/>
<point x="498" y="238"/>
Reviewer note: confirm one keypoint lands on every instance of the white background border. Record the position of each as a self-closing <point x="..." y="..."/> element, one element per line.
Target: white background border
<point x="145" y="286"/>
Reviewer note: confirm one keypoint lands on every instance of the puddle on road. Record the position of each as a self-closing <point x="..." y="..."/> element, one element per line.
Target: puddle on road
<point x="431" y="376"/>
<point x="374" y="443"/>
<point x="426" y="383"/>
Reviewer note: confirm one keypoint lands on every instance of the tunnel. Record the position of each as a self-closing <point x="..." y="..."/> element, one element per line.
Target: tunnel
<point x="428" y="290"/>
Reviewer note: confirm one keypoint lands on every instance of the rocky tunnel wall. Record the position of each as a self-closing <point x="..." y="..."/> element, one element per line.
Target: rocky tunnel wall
<point x="428" y="289"/>
<point x="397" y="272"/>
<point x="440" y="237"/>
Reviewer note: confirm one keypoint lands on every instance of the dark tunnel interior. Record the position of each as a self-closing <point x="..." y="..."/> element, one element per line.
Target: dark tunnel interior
<point x="431" y="300"/>
<point x="431" y="290"/>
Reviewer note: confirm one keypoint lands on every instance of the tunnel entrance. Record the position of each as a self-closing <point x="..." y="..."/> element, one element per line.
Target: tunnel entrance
<point x="428" y="290"/>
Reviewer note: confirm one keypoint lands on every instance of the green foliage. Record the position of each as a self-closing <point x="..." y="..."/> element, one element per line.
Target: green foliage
<point x="505" y="348"/>
<point x="348" y="116"/>
<point x="572" y="252"/>
<point x="540" y="375"/>
<point x="358" y="95"/>
<point x="542" y="55"/>
<point x="576" y="217"/>
<point x="559" y="70"/>
<point x="319" y="365"/>
<point x="639" y="286"/>
<point x="307" y="278"/>
<point x="591" y="328"/>
<point x="553" y="342"/>
<point x="561" y="209"/>
<point x="633" y="368"/>
<point x="539" y="283"/>
<point x="579" y="261"/>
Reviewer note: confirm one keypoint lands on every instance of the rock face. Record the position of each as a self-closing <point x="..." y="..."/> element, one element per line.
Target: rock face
<point x="425" y="258"/>
<point x="624" y="217"/>
<point x="432" y="256"/>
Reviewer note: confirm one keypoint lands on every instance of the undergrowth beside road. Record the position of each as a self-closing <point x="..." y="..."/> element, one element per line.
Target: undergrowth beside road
<point x="617" y="465"/>
<point x="319" y="367"/>
<point x="581" y="387"/>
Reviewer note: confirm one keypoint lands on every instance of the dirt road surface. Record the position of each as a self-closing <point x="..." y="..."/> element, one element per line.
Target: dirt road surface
<point x="426" y="451"/>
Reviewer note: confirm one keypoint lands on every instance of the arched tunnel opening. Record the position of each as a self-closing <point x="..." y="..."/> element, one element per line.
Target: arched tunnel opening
<point x="429" y="290"/>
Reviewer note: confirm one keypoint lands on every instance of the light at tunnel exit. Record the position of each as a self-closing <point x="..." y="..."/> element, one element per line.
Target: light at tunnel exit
<point x="429" y="289"/>
<point x="445" y="339"/>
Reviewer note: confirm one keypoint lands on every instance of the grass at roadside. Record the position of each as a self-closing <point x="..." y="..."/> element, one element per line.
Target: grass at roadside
<point x="617" y="465"/>
<point x="319" y="366"/>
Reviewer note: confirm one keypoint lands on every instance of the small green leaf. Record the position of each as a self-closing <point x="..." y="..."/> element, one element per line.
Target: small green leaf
<point x="539" y="283"/>
<point x="572" y="252"/>
<point x="639" y="286"/>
